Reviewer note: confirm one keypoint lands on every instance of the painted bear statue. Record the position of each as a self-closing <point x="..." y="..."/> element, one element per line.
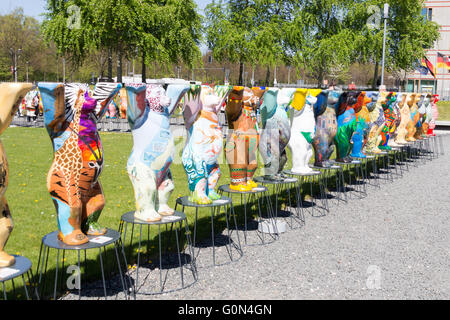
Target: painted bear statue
<point x="205" y="143"/>
<point x="70" y="117"/>
<point x="303" y="126"/>
<point x="149" y="109"/>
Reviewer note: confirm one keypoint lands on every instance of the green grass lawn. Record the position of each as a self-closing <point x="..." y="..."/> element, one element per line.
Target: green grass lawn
<point x="444" y="110"/>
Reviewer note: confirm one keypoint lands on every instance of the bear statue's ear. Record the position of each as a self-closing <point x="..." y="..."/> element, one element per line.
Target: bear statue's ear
<point x="259" y="91"/>
<point x="321" y="104"/>
<point x="234" y="105"/>
<point x="314" y="92"/>
<point x="299" y="99"/>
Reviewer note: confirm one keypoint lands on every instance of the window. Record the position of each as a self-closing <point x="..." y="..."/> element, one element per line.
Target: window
<point x="427" y="13"/>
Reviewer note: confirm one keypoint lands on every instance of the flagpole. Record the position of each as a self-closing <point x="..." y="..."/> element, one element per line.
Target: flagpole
<point x="443" y="73"/>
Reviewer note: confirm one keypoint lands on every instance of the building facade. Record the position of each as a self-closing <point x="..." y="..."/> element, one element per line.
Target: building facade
<point x="439" y="12"/>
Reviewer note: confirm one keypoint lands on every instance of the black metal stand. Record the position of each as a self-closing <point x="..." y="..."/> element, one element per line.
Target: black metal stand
<point x="367" y="177"/>
<point x="21" y="267"/>
<point x="292" y="215"/>
<point x="215" y="207"/>
<point x="359" y="183"/>
<point x="387" y="174"/>
<point x="309" y="178"/>
<point x="264" y="226"/>
<point x="395" y="153"/>
<point x="338" y="179"/>
<point x="50" y="241"/>
<point x="167" y="263"/>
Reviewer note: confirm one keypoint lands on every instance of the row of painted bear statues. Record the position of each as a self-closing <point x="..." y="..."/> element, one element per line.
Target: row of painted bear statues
<point x="355" y="123"/>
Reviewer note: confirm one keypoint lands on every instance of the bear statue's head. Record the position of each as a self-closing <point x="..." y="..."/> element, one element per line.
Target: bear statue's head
<point x="250" y="99"/>
<point x="321" y="104"/>
<point x="285" y="97"/>
<point x="311" y="97"/>
<point x="156" y="98"/>
<point x="373" y="95"/>
<point x="359" y="102"/>
<point x="209" y="99"/>
<point x="333" y="97"/>
<point x="401" y="99"/>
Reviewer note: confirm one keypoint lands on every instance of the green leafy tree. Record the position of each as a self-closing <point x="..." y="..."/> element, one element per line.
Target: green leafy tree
<point x="247" y="32"/>
<point x="409" y="34"/>
<point x="163" y="31"/>
<point x="22" y="47"/>
<point x="319" y="40"/>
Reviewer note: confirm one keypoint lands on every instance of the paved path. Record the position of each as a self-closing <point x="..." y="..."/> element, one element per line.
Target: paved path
<point x="393" y="244"/>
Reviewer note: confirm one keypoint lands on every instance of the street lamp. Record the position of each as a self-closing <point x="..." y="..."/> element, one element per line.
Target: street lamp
<point x="15" y="55"/>
<point x="275" y="77"/>
<point x="386" y="15"/>
<point x="27" y="69"/>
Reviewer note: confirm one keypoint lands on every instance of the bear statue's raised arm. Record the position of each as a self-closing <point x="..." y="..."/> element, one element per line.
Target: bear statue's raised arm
<point x="192" y="105"/>
<point x="104" y="92"/>
<point x="136" y="104"/>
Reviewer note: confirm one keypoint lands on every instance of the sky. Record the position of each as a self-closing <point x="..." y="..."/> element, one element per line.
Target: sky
<point x="35" y="8"/>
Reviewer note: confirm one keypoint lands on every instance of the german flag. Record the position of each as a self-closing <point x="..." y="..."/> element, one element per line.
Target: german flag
<point x="426" y="63"/>
<point x="447" y="62"/>
<point x="440" y="61"/>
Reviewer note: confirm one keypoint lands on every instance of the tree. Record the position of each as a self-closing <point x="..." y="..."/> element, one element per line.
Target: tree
<point x="163" y="30"/>
<point x="318" y="38"/>
<point x="247" y="31"/>
<point x="22" y="47"/>
<point x="409" y="34"/>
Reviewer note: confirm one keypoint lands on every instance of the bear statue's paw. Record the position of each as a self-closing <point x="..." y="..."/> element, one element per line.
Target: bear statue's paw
<point x="302" y="170"/>
<point x="75" y="238"/>
<point x="165" y="210"/>
<point x="276" y="177"/>
<point x="401" y="142"/>
<point x="323" y="164"/>
<point x="343" y="160"/>
<point x="393" y="143"/>
<point x="252" y="184"/>
<point x="201" y="199"/>
<point x="358" y="155"/>
<point x="95" y="229"/>
<point x="213" y="195"/>
<point x="6" y="260"/>
<point x="240" y="187"/>
<point x="148" y="216"/>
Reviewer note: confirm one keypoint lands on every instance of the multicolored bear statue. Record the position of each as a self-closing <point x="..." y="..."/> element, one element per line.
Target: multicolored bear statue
<point x="204" y="143"/>
<point x="362" y="125"/>
<point x="346" y="121"/>
<point x="70" y="117"/>
<point x="303" y="129"/>
<point x="148" y="113"/>
<point x="243" y="137"/>
<point x="326" y="126"/>
<point x="276" y="131"/>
